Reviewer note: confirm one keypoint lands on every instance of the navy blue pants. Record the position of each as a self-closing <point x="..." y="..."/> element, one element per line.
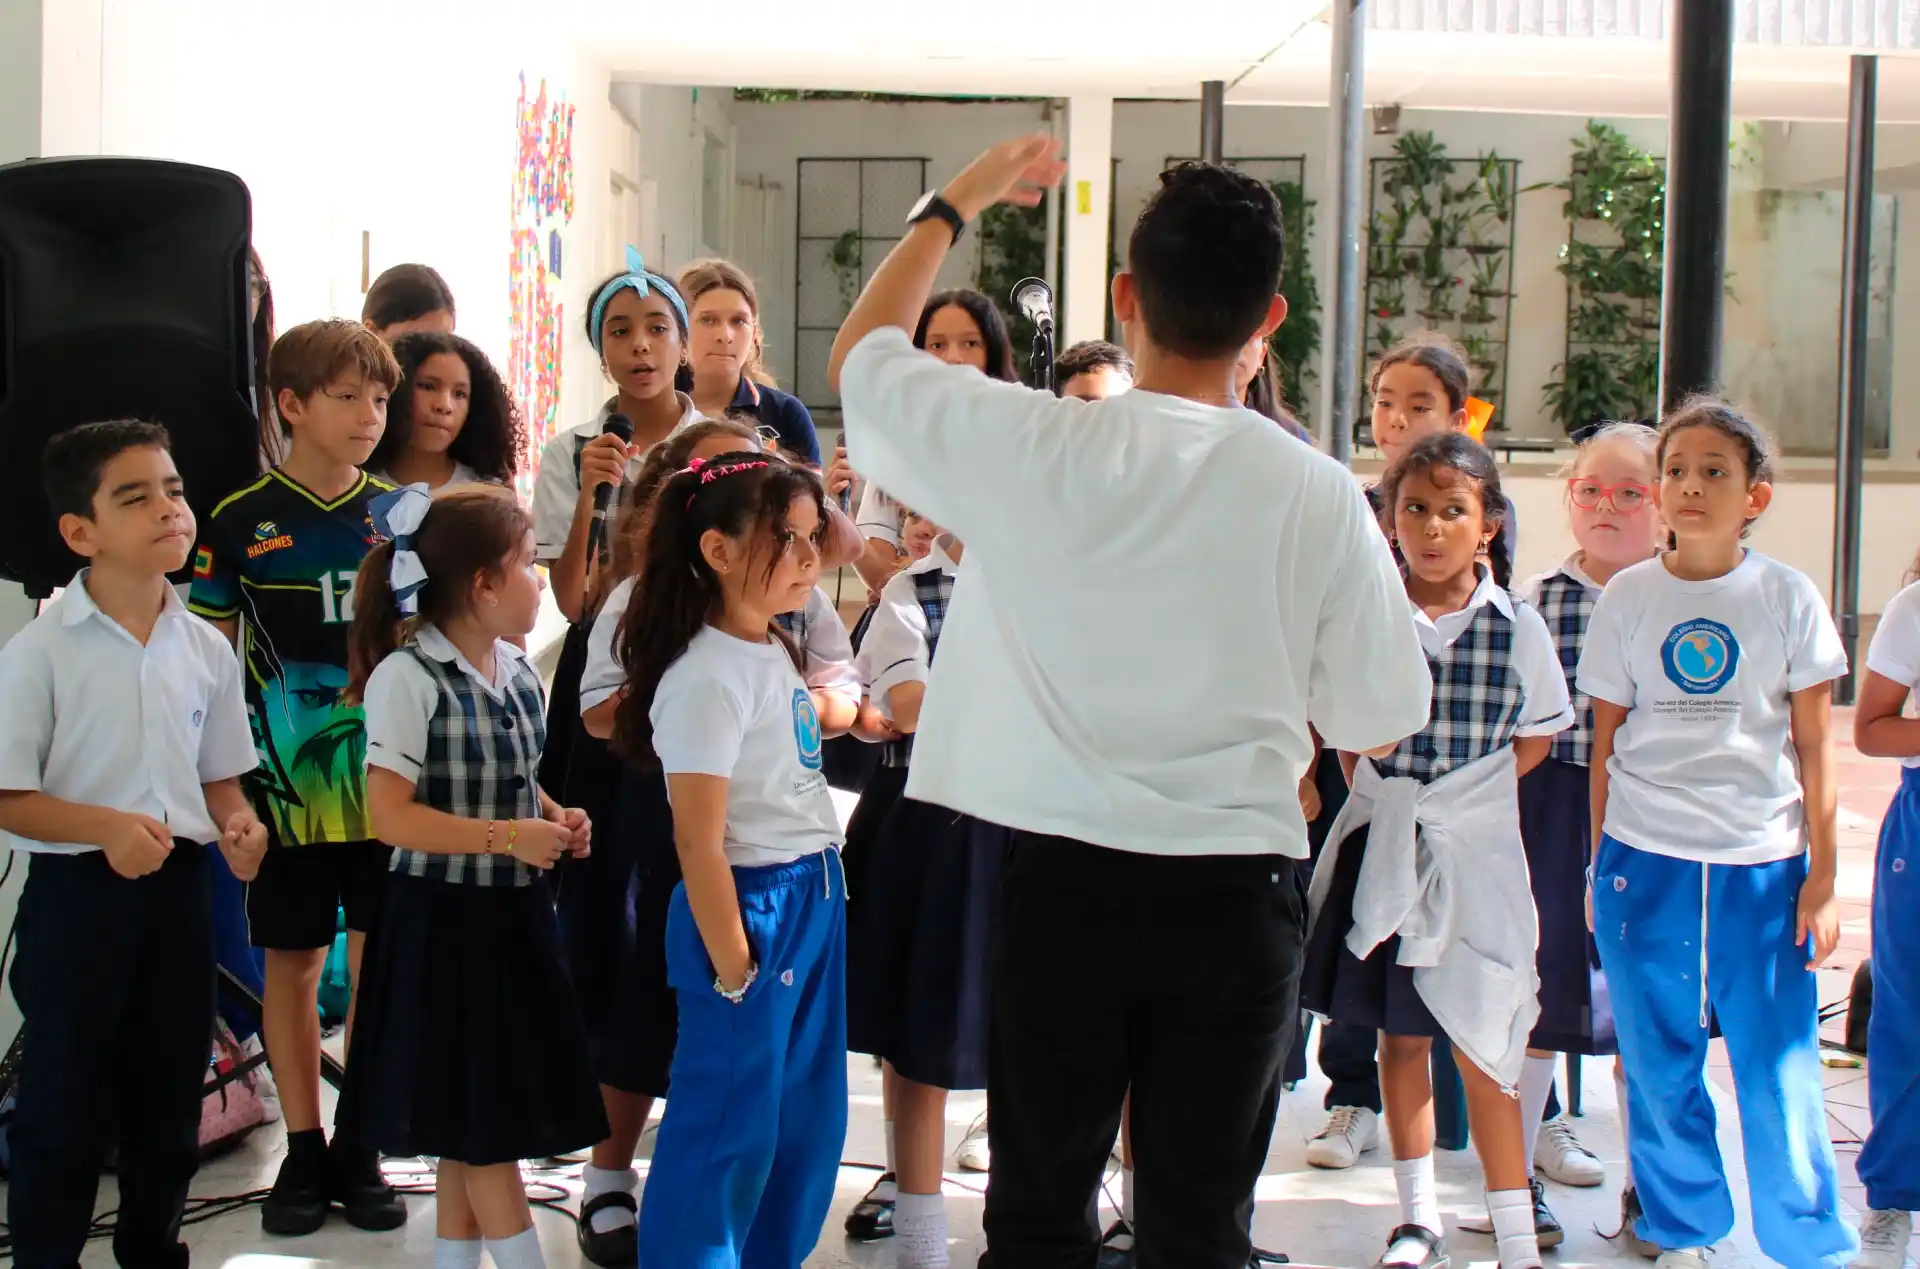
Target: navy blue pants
<point x="115" y="984"/>
<point x="1889" y="1164"/>
<point x="748" y="1153"/>
<point x="1652" y="915"/>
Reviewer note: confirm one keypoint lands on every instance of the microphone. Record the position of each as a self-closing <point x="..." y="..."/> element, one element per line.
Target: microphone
<point x="621" y="426"/>
<point x="1034" y="298"/>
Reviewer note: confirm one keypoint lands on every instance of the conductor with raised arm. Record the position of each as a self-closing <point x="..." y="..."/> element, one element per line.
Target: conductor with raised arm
<point x="1150" y="929"/>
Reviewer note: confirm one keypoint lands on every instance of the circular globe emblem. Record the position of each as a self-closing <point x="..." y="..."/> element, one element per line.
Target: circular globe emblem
<point x="806" y="730"/>
<point x="1700" y="656"/>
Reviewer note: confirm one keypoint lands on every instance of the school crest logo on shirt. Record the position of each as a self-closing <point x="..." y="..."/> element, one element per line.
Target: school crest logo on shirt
<point x="1700" y="656"/>
<point x="806" y="730"/>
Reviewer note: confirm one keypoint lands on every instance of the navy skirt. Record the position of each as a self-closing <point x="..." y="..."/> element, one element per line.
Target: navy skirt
<point x="467" y="1042"/>
<point x="917" y="996"/>
<point x="595" y="894"/>
<point x="1575" y="1014"/>
<point x="1376" y="992"/>
<point x="642" y="1022"/>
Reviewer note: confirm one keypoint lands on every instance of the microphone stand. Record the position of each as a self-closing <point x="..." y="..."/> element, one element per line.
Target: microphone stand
<point x="1040" y="360"/>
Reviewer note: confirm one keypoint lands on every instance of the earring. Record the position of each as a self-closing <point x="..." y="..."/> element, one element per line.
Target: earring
<point x="493" y="601"/>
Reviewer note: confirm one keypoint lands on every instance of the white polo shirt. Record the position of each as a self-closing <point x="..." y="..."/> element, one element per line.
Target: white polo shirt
<point x="1545" y="709"/>
<point x="1159" y="597"/>
<point x="402" y="696"/>
<point x="1895" y="651"/>
<point x="92" y="716"/>
<point x="896" y="648"/>
<point x="556" y="486"/>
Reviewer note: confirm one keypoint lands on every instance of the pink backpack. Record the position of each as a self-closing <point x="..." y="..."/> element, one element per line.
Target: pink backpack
<point x="231" y="1107"/>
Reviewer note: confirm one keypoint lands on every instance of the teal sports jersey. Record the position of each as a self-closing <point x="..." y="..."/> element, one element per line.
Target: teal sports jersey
<point x="282" y="561"/>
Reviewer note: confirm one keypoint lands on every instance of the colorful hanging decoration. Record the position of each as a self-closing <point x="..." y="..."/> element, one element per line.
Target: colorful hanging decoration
<point x="542" y="206"/>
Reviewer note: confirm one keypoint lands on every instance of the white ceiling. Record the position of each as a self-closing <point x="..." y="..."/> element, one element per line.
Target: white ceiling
<point x="1269" y="51"/>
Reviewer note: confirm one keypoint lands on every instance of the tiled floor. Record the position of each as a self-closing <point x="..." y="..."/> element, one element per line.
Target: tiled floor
<point x="1316" y="1217"/>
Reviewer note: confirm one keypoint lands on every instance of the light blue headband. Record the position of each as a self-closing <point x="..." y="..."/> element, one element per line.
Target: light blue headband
<point x="398" y="515"/>
<point x="638" y="280"/>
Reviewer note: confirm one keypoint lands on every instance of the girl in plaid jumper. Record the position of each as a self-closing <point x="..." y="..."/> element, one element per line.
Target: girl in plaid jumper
<point x="470" y="1046"/>
<point x="1422" y="924"/>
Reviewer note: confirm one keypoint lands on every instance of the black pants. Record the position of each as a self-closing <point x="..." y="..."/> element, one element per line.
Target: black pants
<point x="1196" y="1017"/>
<point x="115" y="983"/>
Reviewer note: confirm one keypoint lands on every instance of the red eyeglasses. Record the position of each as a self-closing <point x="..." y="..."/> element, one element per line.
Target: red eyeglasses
<point x="1626" y="497"/>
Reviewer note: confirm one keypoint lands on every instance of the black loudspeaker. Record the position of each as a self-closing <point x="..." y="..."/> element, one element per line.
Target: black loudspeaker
<point x="1860" y="1008"/>
<point x="123" y="294"/>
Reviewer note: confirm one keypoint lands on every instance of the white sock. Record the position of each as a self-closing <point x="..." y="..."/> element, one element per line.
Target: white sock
<point x="886" y="1127"/>
<point x="609" y="1181"/>
<point x="1536" y="1084"/>
<point x="456" y="1253"/>
<point x="1419" y="1200"/>
<point x="920" y="1232"/>
<point x="1126" y="1196"/>
<point x="1512" y="1213"/>
<point x="522" y="1251"/>
<point x="1626" y="1133"/>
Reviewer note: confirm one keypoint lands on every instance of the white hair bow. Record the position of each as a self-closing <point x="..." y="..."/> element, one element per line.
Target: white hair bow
<point x="398" y="515"/>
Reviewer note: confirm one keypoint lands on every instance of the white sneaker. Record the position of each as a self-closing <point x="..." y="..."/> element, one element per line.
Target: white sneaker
<point x="976" y="1152"/>
<point x="1351" y="1131"/>
<point x="263" y="1080"/>
<point x="1682" y="1258"/>
<point x="1883" y="1241"/>
<point x="1561" y="1157"/>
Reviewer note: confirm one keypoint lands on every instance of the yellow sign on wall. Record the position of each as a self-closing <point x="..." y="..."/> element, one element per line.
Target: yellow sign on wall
<point x="1083" y="197"/>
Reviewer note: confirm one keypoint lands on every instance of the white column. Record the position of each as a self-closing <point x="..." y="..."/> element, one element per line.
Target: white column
<point x="1088" y="197"/>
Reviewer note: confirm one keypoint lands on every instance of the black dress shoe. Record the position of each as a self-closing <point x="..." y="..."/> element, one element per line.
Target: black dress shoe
<point x="1545" y="1227"/>
<point x="1432" y="1247"/>
<point x="1118" y="1256"/>
<point x="354" y="1182"/>
<point x="617" y="1248"/>
<point x="872" y="1218"/>
<point x="297" y="1204"/>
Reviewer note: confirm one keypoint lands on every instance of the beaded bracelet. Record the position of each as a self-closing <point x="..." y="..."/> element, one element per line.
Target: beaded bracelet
<point x="513" y="834"/>
<point x="490" y="824"/>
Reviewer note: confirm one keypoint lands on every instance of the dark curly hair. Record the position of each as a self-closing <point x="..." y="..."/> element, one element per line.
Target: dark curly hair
<point x="495" y="435"/>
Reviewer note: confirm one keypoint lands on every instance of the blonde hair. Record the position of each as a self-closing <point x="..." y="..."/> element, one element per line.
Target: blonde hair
<point x="1637" y="435"/>
<point x="703" y="276"/>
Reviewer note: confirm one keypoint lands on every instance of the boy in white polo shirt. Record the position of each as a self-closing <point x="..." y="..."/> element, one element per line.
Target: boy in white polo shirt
<point x="121" y="750"/>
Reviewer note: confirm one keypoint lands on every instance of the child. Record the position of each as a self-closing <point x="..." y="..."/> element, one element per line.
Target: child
<point x="470" y="1050"/>
<point x="121" y="749"/>
<point x="451" y="421"/>
<point x="1610" y="500"/>
<point x="407" y="298"/>
<point x="1711" y="673"/>
<point x="616" y="912"/>
<point x="1420" y="388"/>
<point x="755" y="942"/>
<point x="275" y="571"/>
<point x="917" y="955"/>
<point x="724" y="372"/>
<point x="1093" y="370"/>
<point x="637" y="322"/>
<point x="1422" y="924"/>
<point x="1257" y="378"/>
<point x="1880" y="729"/>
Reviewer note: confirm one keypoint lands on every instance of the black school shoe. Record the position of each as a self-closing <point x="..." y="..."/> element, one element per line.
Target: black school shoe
<point x="1434" y="1247"/>
<point x="297" y="1205"/>
<point x="354" y="1182"/>
<point x="617" y="1248"/>
<point x="871" y="1218"/>
<point x="1112" y="1257"/>
<point x="1545" y="1227"/>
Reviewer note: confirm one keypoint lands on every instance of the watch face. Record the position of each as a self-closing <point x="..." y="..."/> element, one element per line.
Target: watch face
<point x="920" y="208"/>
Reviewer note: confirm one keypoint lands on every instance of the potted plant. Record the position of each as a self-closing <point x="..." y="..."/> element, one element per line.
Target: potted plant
<point x="1486" y="284"/>
<point x="1497" y="180"/>
<point x="844" y="258"/>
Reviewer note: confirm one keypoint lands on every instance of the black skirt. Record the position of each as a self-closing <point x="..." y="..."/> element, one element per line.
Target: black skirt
<point x="917" y="996"/>
<point x="467" y="1043"/>
<point x="594" y="895"/>
<point x="642" y="1022"/>
<point x="1376" y="992"/>
<point x="1575" y="1013"/>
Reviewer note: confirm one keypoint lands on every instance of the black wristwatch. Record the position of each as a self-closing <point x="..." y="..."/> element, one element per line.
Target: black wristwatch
<point x="933" y="207"/>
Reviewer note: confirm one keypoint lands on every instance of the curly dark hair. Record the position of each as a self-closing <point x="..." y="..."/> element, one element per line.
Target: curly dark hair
<point x="495" y="435"/>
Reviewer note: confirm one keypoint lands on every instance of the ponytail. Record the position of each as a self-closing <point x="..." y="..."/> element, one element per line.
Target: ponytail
<point x="378" y="624"/>
<point x="1499" y="560"/>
